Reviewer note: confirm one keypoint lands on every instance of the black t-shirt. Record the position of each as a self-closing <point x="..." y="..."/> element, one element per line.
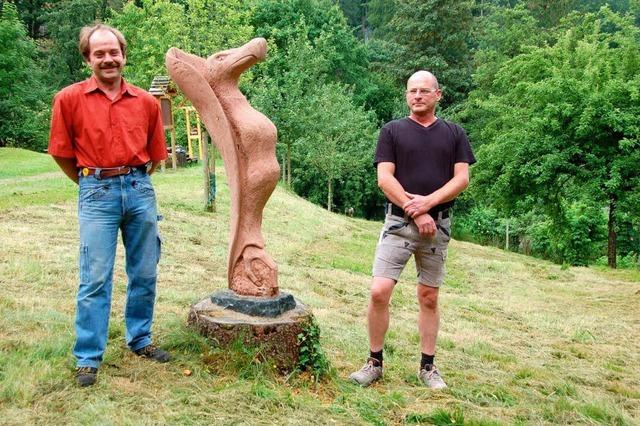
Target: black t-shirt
<point x="424" y="156"/>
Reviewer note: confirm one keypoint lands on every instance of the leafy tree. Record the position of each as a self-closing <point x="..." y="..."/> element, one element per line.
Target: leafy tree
<point x="32" y="13"/>
<point x="356" y="12"/>
<point x="427" y="34"/>
<point x="201" y="27"/>
<point x="564" y="125"/>
<point x="325" y="28"/>
<point x="337" y="147"/>
<point x="281" y="92"/>
<point x="325" y="139"/>
<point x="64" y="21"/>
<point x="23" y="98"/>
<point x="150" y="31"/>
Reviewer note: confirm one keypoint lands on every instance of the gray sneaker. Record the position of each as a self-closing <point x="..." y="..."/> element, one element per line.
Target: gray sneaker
<point x="431" y="378"/>
<point x="369" y="373"/>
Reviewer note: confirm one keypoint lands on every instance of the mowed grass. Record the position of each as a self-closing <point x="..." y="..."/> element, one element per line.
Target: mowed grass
<point x="522" y="341"/>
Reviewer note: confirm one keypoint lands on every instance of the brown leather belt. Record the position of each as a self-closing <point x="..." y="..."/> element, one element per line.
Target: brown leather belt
<point x="111" y="171"/>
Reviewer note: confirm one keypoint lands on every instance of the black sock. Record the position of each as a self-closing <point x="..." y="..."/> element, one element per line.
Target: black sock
<point x="427" y="361"/>
<point x="376" y="355"/>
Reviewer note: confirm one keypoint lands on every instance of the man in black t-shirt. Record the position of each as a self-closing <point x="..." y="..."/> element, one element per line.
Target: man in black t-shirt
<point x="423" y="164"/>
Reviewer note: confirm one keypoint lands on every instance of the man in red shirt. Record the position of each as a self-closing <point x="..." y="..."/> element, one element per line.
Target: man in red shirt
<point x="107" y="136"/>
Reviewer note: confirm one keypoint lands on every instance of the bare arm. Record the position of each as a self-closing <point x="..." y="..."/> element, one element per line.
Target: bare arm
<point x="390" y="185"/>
<point x="154" y="166"/>
<point x="420" y="204"/>
<point x="68" y="166"/>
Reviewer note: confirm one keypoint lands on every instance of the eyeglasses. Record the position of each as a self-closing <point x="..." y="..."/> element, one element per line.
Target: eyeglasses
<point x="421" y="91"/>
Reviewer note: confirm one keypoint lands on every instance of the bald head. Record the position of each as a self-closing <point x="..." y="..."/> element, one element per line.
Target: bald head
<point x="423" y="77"/>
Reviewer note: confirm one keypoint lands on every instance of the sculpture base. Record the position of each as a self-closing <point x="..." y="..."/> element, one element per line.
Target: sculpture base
<point x="255" y="306"/>
<point x="276" y="337"/>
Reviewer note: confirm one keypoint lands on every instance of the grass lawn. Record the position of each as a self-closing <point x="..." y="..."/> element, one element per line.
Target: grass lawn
<point x="522" y="341"/>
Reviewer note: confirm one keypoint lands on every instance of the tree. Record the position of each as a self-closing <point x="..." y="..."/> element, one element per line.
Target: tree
<point x="32" y="13"/>
<point x="322" y="133"/>
<point x="150" y="31"/>
<point x="281" y="91"/>
<point x="326" y="29"/>
<point x="564" y="125"/>
<point x="427" y="34"/>
<point x="23" y="98"/>
<point x="339" y="135"/>
<point x="64" y="21"/>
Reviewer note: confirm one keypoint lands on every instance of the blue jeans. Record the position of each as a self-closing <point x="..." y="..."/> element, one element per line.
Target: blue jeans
<point x="128" y="203"/>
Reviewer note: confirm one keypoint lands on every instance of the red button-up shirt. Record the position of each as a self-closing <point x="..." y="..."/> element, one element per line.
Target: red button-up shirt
<point x="98" y="132"/>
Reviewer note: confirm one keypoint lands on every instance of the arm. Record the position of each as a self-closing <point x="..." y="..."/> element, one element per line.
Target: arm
<point x="420" y="204"/>
<point x="390" y="185"/>
<point x="156" y="144"/>
<point x="396" y="193"/>
<point x="68" y="166"/>
<point x="154" y="165"/>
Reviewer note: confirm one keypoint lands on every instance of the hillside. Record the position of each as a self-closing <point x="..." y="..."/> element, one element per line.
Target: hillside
<point x="522" y="341"/>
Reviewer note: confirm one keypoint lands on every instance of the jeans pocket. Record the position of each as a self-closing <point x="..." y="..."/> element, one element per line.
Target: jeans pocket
<point x="143" y="186"/>
<point x="93" y="192"/>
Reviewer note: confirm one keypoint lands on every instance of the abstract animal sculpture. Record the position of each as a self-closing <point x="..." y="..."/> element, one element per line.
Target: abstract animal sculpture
<point x="247" y="141"/>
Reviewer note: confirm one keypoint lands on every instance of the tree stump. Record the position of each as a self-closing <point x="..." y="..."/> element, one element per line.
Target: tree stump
<point x="277" y="336"/>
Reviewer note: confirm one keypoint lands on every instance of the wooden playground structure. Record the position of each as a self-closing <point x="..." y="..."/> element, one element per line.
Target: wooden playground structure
<point x="163" y="89"/>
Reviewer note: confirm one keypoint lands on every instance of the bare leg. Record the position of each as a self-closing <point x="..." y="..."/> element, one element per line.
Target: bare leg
<point x="378" y="312"/>
<point x="428" y="318"/>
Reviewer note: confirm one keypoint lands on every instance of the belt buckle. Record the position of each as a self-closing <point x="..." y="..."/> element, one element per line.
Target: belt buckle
<point x="85" y="171"/>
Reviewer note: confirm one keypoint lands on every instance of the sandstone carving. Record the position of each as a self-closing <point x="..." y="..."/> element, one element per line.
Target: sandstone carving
<point x="246" y="140"/>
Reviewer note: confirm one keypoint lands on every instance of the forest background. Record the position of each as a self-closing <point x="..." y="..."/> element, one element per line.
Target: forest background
<point x="548" y="92"/>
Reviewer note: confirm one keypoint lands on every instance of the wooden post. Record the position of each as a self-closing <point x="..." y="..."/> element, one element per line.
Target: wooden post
<point x="506" y="242"/>
<point x="209" y="168"/>
<point x="284" y="170"/>
<point x="187" y="123"/>
<point x="174" y="157"/>
<point x="201" y="141"/>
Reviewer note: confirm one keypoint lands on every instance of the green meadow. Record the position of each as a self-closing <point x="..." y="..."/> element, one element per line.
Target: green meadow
<point x="522" y="341"/>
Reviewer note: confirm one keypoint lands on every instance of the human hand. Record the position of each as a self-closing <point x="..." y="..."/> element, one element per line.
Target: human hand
<point x="417" y="204"/>
<point x="426" y="225"/>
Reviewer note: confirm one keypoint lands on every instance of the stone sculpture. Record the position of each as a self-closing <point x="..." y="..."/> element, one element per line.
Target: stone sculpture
<point x="246" y="140"/>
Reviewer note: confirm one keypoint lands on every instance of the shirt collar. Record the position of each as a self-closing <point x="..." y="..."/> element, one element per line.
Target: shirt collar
<point x="92" y="85"/>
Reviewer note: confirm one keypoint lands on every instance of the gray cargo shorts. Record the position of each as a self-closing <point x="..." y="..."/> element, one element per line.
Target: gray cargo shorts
<point x="400" y="239"/>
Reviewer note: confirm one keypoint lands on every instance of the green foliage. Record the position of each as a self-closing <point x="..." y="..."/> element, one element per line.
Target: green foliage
<point x="322" y="24"/>
<point x="23" y="98"/>
<point x="561" y="127"/>
<point x="32" y="12"/>
<point x="326" y="141"/>
<point x="312" y="357"/>
<point x="439" y="416"/>
<point x="64" y="21"/>
<point x="201" y="27"/>
<point x="428" y="34"/>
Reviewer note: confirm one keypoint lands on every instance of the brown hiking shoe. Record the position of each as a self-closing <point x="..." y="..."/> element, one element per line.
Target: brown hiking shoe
<point x="154" y="353"/>
<point x="86" y="376"/>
